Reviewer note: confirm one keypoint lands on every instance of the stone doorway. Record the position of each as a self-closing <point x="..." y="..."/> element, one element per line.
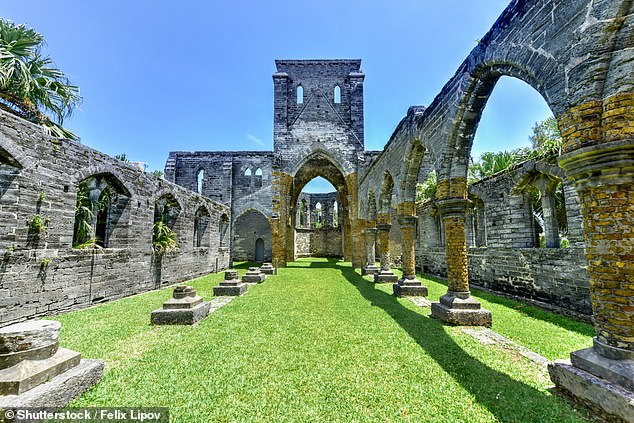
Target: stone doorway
<point x="259" y="249"/>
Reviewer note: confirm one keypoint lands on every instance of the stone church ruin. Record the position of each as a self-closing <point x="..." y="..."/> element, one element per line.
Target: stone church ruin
<point x="230" y="205"/>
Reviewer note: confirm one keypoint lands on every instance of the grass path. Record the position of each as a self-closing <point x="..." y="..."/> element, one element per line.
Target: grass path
<point x="319" y="342"/>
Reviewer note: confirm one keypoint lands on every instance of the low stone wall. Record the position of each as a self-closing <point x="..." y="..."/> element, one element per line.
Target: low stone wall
<point x="40" y="272"/>
<point x="546" y="276"/>
<point x="323" y="242"/>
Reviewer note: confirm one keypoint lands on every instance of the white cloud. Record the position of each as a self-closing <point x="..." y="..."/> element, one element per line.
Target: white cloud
<point x="255" y="140"/>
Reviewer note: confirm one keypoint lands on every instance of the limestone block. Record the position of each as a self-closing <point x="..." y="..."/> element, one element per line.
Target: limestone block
<point x="184" y="308"/>
<point x="610" y="401"/>
<point x="182" y="316"/>
<point x="410" y="288"/>
<point x="231" y="285"/>
<point x="385" y="276"/>
<point x="460" y="308"/>
<point x="268" y="269"/>
<point x="370" y="269"/>
<point x="253" y="276"/>
<point x="35" y="340"/>
<point x="60" y="390"/>
<point x="27" y="374"/>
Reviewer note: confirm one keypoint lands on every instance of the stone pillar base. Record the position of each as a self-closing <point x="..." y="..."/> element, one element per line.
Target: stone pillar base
<point x="253" y="276"/>
<point x="460" y="308"/>
<point x="608" y="400"/>
<point x="385" y="276"/>
<point x="60" y="390"/>
<point x="229" y="290"/>
<point x="231" y="286"/>
<point x="370" y="269"/>
<point x="180" y="316"/>
<point x="409" y="288"/>
<point x="268" y="269"/>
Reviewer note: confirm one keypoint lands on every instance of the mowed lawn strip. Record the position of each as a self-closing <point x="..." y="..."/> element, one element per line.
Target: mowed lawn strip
<point x="317" y="342"/>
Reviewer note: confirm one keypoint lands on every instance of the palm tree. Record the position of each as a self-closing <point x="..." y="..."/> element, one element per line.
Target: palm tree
<point x="30" y="85"/>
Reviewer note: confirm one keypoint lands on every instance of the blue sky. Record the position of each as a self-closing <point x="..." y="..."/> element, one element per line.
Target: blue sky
<point x="158" y="76"/>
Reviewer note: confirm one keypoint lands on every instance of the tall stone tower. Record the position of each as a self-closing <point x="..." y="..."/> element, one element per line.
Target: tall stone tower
<point x="318" y="106"/>
<point x="318" y="131"/>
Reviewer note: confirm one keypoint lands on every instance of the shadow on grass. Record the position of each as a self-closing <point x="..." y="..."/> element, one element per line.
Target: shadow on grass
<point x="506" y="398"/>
<point x="320" y="263"/>
<point x="531" y="311"/>
<point x="245" y="265"/>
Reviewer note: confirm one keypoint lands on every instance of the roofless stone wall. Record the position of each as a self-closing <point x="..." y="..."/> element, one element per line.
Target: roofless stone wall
<point x="503" y="241"/>
<point x="40" y="272"/>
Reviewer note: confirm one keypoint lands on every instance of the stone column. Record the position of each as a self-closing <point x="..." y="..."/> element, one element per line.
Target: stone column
<point x="386" y="274"/>
<point x="457" y="306"/>
<point x="547" y="188"/>
<point x="370" y="245"/>
<point x="603" y="376"/>
<point x="408" y="285"/>
<point x="281" y="184"/>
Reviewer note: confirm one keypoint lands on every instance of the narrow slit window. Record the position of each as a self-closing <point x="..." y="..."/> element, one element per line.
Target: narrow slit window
<point x="337" y="94"/>
<point x="300" y="95"/>
<point x="199" y="181"/>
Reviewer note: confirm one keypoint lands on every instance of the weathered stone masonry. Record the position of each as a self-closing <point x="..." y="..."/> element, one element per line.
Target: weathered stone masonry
<point x="41" y="274"/>
<point x="502" y="245"/>
<point x="579" y="56"/>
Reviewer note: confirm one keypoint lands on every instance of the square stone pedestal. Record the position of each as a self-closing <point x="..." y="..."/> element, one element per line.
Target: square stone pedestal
<point x="231" y="286"/>
<point x="604" y="385"/>
<point x="35" y="372"/>
<point x="253" y="275"/>
<point x="409" y="288"/>
<point x="460" y="308"/>
<point x="184" y="308"/>
<point x="268" y="269"/>
<point x="385" y="276"/>
<point x="370" y="269"/>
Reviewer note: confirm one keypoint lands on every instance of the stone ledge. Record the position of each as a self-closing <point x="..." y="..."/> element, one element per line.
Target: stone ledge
<point x="609" y="401"/>
<point x="60" y="390"/>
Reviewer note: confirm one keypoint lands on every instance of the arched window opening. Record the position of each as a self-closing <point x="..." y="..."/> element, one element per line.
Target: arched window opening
<point x="101" y="203"/>
<point x="101" y="228"/>
<point x="300" y="95"/>
<point x="335" y="214"/>
<point x="258" y="178"/>
<point x="201" y="223"/>
<point x="524" y="140"/>
<point x="318" y="216"/>
<point x="302" y="213"/>
<point x="246" y="181"/>
<point x="223" y="229"/>
<point x="199" y="181"/>
<point x="337" y="94"/>
<point x="166" y="212"/>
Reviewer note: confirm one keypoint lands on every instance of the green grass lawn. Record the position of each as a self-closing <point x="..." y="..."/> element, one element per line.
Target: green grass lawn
<point x="319" y="342"/>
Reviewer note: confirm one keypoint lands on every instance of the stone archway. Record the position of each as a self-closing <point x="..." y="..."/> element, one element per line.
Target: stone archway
<point x="290" y="186"/>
